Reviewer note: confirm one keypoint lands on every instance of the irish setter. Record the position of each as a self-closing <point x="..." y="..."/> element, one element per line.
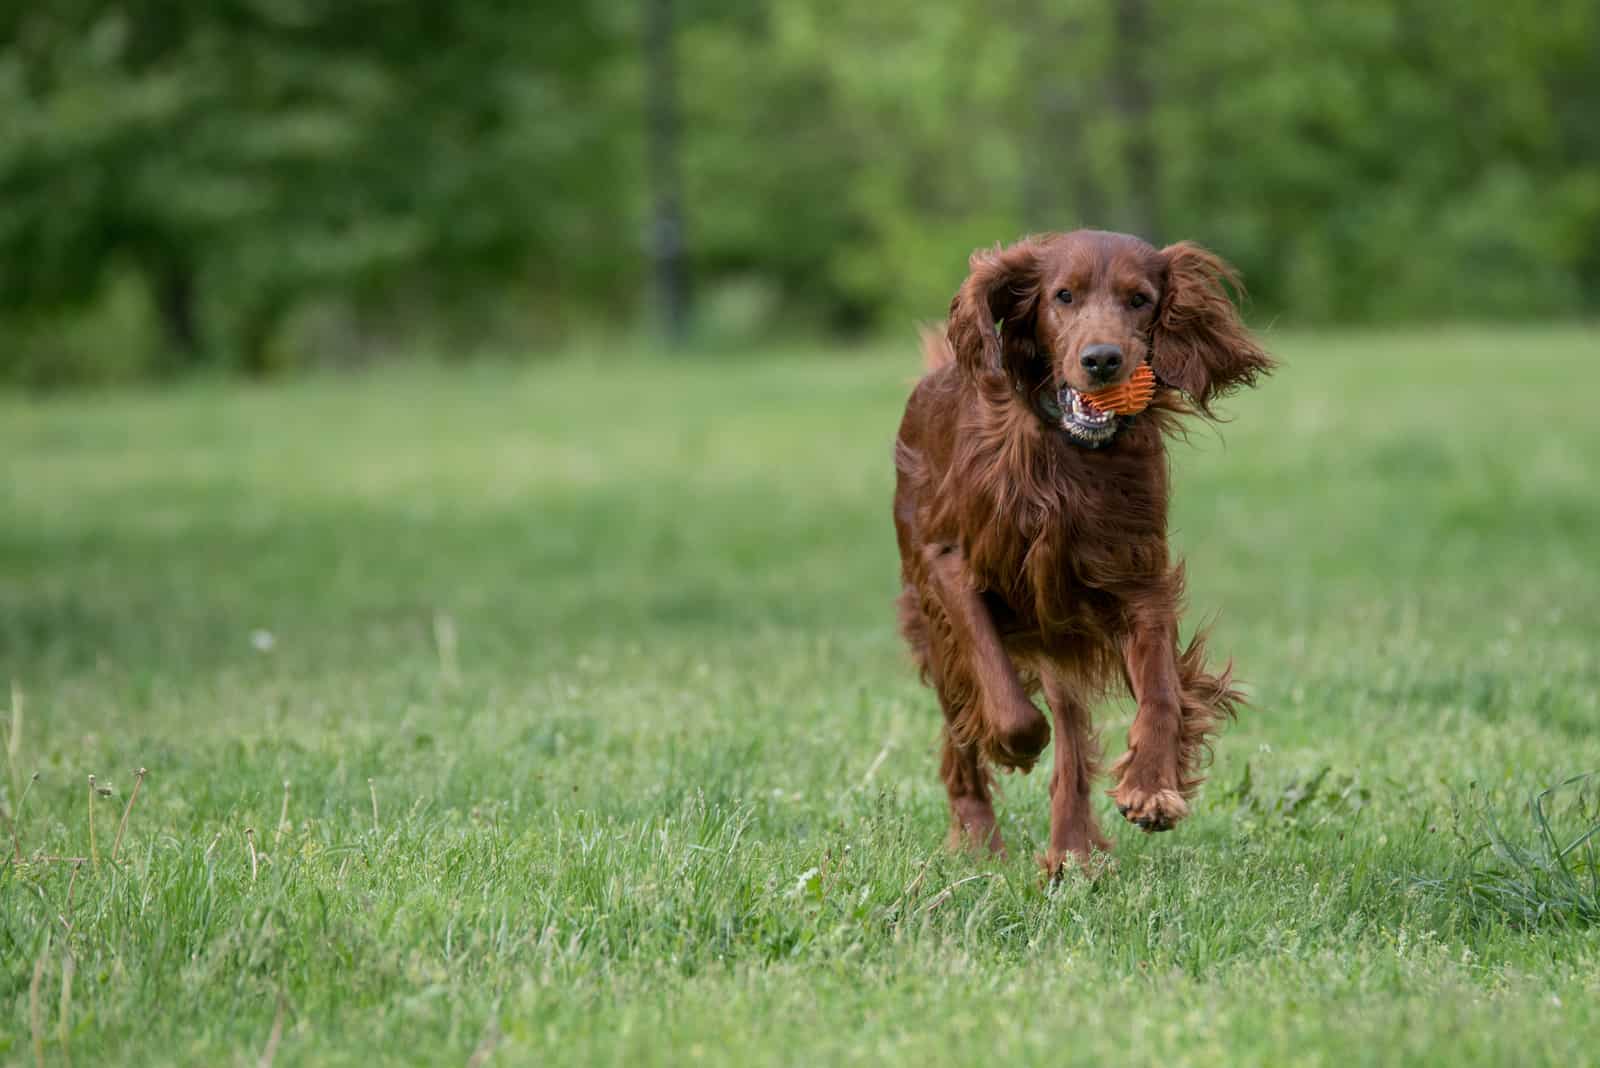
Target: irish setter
<point x="1033" y="526"/>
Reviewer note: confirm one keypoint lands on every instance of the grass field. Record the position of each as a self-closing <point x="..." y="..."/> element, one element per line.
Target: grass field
<point x="601" y="748"/>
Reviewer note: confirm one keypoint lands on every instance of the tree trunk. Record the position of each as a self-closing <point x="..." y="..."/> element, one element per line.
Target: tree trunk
<point x="258" y="329"/>
<point x="667" y="240"/>
<point x="1060" y="190"/>
<point x="1131" y="96"/>
<point x="176" y="298"/>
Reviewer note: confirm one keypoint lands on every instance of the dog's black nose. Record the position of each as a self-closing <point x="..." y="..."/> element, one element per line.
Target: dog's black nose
<point x="1102" y="361"/>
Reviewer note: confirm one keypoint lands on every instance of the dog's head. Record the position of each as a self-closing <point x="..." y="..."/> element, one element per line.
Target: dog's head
<point x="1064" y="315"/>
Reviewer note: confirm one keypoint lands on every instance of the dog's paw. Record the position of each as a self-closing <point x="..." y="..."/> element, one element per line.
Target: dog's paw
<point x="973" y="828"/>
<point x="1055" y="864"/>
<point x="1150" y="809"/>
<point x="1017" y="740"/>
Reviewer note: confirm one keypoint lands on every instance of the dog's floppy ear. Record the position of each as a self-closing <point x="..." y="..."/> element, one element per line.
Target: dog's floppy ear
<point x="1199" y="344"/>
<point x="1003" y="289"/>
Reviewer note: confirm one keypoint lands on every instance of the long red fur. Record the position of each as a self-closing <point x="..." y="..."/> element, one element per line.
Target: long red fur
<point x="1066" y="546"/>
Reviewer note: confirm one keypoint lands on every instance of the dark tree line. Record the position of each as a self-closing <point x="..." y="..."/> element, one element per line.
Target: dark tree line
<point x="256" y="183"/>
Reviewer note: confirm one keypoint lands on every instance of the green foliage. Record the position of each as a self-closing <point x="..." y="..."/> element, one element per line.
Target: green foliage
<point x="246" y="158"/>
<point x="288" y="180"/>
<point x="1392" y="160"/>
<point x="1308" y="802"/>
<point x="1553" y="878"/>
<point x="655" y="781"/>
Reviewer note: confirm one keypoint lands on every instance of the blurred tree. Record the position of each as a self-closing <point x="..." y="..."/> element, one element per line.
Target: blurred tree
<point x="1362" y="162"/>
<point x="244" y="156"/>
<point x="1128" y="86"/>
<point x="666" y="206"/>
<point x="486" y="169"/>
<point x="1057" y="103"/>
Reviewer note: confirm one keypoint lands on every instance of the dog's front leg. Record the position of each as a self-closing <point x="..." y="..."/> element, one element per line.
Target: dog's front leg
<point x="1148" y="790"/>
<point x="1013" y="733"/>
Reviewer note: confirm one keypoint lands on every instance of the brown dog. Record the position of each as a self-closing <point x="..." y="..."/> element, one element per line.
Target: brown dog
<point x="1033" y="527"/>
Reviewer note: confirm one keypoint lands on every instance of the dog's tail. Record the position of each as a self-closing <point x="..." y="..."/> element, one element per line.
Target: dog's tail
<point x="1206" y="700"/>
<point x="936" y="350"/>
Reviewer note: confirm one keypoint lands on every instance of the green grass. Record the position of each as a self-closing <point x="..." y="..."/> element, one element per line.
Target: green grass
<point x="669" y="794"/>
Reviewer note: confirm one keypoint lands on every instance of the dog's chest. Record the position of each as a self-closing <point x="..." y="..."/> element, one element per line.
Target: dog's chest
<point x="1077" y="521"/>
<point x="1068" y="559"/>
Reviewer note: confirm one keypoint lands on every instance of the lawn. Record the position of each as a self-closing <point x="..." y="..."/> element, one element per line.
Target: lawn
<point x="562" y="710"/>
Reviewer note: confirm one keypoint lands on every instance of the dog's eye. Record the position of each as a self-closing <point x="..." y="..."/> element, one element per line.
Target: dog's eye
<point x="1138" y="300"/>
<point x="1064" y="296"/>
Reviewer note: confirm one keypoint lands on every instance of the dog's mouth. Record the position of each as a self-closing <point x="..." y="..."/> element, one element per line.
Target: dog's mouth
<point x="1082" y="421"/>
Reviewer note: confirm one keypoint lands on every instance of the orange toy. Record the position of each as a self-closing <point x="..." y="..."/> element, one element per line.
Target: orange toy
<point x="1131" y="397"/>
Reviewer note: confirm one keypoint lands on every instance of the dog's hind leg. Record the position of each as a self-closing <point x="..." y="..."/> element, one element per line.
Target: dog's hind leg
<point x="966" y="780"/>
<point x="1074" y="833"/>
